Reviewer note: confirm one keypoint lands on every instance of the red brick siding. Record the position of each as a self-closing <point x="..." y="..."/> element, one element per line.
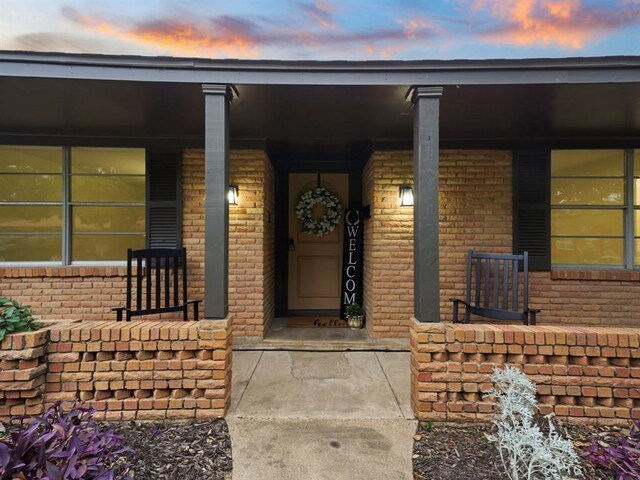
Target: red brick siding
<point x="475" y="212"/>
<point x="582" y="374"/>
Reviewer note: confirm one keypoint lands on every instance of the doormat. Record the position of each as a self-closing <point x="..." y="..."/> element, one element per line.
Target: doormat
<point x="316" y="322"/>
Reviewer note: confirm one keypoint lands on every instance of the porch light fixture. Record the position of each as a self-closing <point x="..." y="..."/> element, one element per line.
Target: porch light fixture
<point x="232" y="195"/>
<point x="406" y="196"/>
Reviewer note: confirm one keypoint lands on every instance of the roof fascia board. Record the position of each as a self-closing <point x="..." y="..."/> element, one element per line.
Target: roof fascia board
<point x="484" y="72"/>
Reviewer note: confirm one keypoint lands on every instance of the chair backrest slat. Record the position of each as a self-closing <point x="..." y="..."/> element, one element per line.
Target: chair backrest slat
<point x="158" y="268"/>
<point x="505" y="285"/>
<point x="139" y="283"/>
<point x="184" y="276"/>
<point x="496" y="283"/>
<point x="478" y="280"/>
<point x="129" y="279"/>
<point x="487" y="279"/>
<point x="167" y="280"/>
<point x="516" y="269"/>
<point x="525" y="281"/>
<point x="175" y="281"/>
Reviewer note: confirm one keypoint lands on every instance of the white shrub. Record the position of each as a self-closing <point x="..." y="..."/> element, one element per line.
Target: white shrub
<point x="526" y="452"/>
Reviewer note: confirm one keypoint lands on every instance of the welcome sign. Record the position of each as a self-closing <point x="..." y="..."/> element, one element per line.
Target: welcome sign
<point x="351" y="291"/>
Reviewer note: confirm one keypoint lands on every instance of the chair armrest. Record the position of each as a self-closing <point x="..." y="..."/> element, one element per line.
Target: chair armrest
<point x="533" y="310"/>
<point x="458" y="300"/>
<point x="191" y="302"/>
<point x="119" y="309"/>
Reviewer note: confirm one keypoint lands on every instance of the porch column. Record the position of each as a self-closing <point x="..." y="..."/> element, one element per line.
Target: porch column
<point x="426" y="134"/>
<point x="216" y="175"/>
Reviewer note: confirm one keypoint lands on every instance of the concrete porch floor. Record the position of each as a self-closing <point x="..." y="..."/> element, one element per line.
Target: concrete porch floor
<point x="321" y="415"/>
<point x="281" y="337"/>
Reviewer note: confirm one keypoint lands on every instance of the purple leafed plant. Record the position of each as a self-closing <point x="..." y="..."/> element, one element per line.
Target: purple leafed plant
<point x="621" y="459"/>
<point x="61" y="445"/>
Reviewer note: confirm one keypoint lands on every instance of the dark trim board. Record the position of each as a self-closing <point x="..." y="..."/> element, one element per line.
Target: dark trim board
<point x="350" y="159"/>
<point x="614" y="69"/>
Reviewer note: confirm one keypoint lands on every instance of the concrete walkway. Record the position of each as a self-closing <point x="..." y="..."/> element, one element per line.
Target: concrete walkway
<point x="321" y="415"/>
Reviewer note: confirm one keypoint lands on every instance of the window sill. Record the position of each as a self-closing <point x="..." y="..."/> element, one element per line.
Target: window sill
<point x="63" y="271"/>
<point x="596" y="275"/>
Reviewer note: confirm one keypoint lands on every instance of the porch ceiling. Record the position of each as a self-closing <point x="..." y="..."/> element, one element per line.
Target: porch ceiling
<point x="144" y="112"/>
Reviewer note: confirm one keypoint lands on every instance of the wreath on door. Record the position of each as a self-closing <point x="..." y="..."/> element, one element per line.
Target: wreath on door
<point x="325" y="224"/>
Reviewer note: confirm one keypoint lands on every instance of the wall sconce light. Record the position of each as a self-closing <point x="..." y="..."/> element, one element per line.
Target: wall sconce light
<point x="232" y="195"/>
<point x="406" y="196"/>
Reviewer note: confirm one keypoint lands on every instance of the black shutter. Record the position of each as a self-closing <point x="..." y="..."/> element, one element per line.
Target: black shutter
<point x="532" y="211"/>
<point x="164" y="199"/>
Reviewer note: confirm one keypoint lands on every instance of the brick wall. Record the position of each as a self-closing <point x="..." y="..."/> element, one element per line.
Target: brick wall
<point x="475" y="212"/>
<point x="582" y="374"/>
<point x="136" y="370"/>
<point x="251" y="233"/>
<point x="388" y="245"/>
<point x="23" y="371"/>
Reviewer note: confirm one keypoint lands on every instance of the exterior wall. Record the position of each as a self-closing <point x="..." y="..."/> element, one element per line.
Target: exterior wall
<point x="89" y="293"/>
<point x="582" y="374"/>
<point x="475" y="212"/>
<point x="23" y="370"/>
<point x="251" y="233"/>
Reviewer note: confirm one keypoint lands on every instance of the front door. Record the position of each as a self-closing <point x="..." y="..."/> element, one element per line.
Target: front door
<point x="315" y="262"/>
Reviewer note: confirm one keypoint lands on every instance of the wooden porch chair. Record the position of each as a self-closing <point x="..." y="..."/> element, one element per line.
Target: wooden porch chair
<point x="160" y="287"/>
<point x="493" y="283"/>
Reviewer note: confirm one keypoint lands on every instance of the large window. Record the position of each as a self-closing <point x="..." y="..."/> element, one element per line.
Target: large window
<point x="593" y="206"/>
<point x="71" y="205"/>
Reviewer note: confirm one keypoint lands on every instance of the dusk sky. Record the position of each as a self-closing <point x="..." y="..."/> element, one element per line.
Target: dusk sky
<point x="325" y="29"/>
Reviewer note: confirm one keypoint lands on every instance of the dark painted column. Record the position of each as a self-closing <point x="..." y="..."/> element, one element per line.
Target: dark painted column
<point x="426" y="135"/>
<point x="216" y="177"/>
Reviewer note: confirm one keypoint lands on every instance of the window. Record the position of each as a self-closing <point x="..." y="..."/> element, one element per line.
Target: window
<point x="70" y="205"/>
<point x="592" y="210"/>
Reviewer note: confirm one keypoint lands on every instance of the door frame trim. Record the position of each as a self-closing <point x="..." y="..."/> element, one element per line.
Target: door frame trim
<point x="349" y="160"/>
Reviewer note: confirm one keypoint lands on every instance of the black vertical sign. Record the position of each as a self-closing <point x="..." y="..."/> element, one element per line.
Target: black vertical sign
<point x="351" y="291"/>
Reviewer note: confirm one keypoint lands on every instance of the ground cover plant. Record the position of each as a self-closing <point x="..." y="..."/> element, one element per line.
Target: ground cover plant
<point x="15" y="318"/>
<point x="619" y="455"/>
<point x="526" y="451"/>
<point x="62" y="444"/>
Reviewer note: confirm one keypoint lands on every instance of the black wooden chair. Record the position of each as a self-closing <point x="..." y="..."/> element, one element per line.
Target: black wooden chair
<point x="159" y="281"/>
<point x="493" y="283"/>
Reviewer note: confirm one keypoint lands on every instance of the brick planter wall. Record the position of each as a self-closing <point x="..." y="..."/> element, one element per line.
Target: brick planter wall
<point x="128" y="370"/>
<point x="582" y="374"/>
<point x="23" y="369"/>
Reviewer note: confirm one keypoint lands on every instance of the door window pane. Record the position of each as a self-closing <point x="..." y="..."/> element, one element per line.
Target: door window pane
<point x="16" y="159"/>
<point x="587" y="163"/>
<point x="108" y="161"/>
<point x="107" y="188"/>
<point x="30" y="248"/>
<point x="108" y="219"/>
<point x="587" y="222"/>
<point x="104" y="247"/>
<point x="587" y="251"/>
<point x="31" y="188"/>
<point x="587" y="191"/>
<point x="30" y="219"/>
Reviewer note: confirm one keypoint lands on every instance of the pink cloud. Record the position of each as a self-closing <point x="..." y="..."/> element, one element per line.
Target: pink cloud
<point x="566" y="23"/>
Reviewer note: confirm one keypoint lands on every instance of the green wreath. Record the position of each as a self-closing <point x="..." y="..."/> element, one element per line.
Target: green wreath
<point x="327" y="223"/>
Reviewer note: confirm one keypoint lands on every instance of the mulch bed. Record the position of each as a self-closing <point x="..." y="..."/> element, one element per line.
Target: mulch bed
<point x="176" y="450"/>
<point x="456" y="452"/>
